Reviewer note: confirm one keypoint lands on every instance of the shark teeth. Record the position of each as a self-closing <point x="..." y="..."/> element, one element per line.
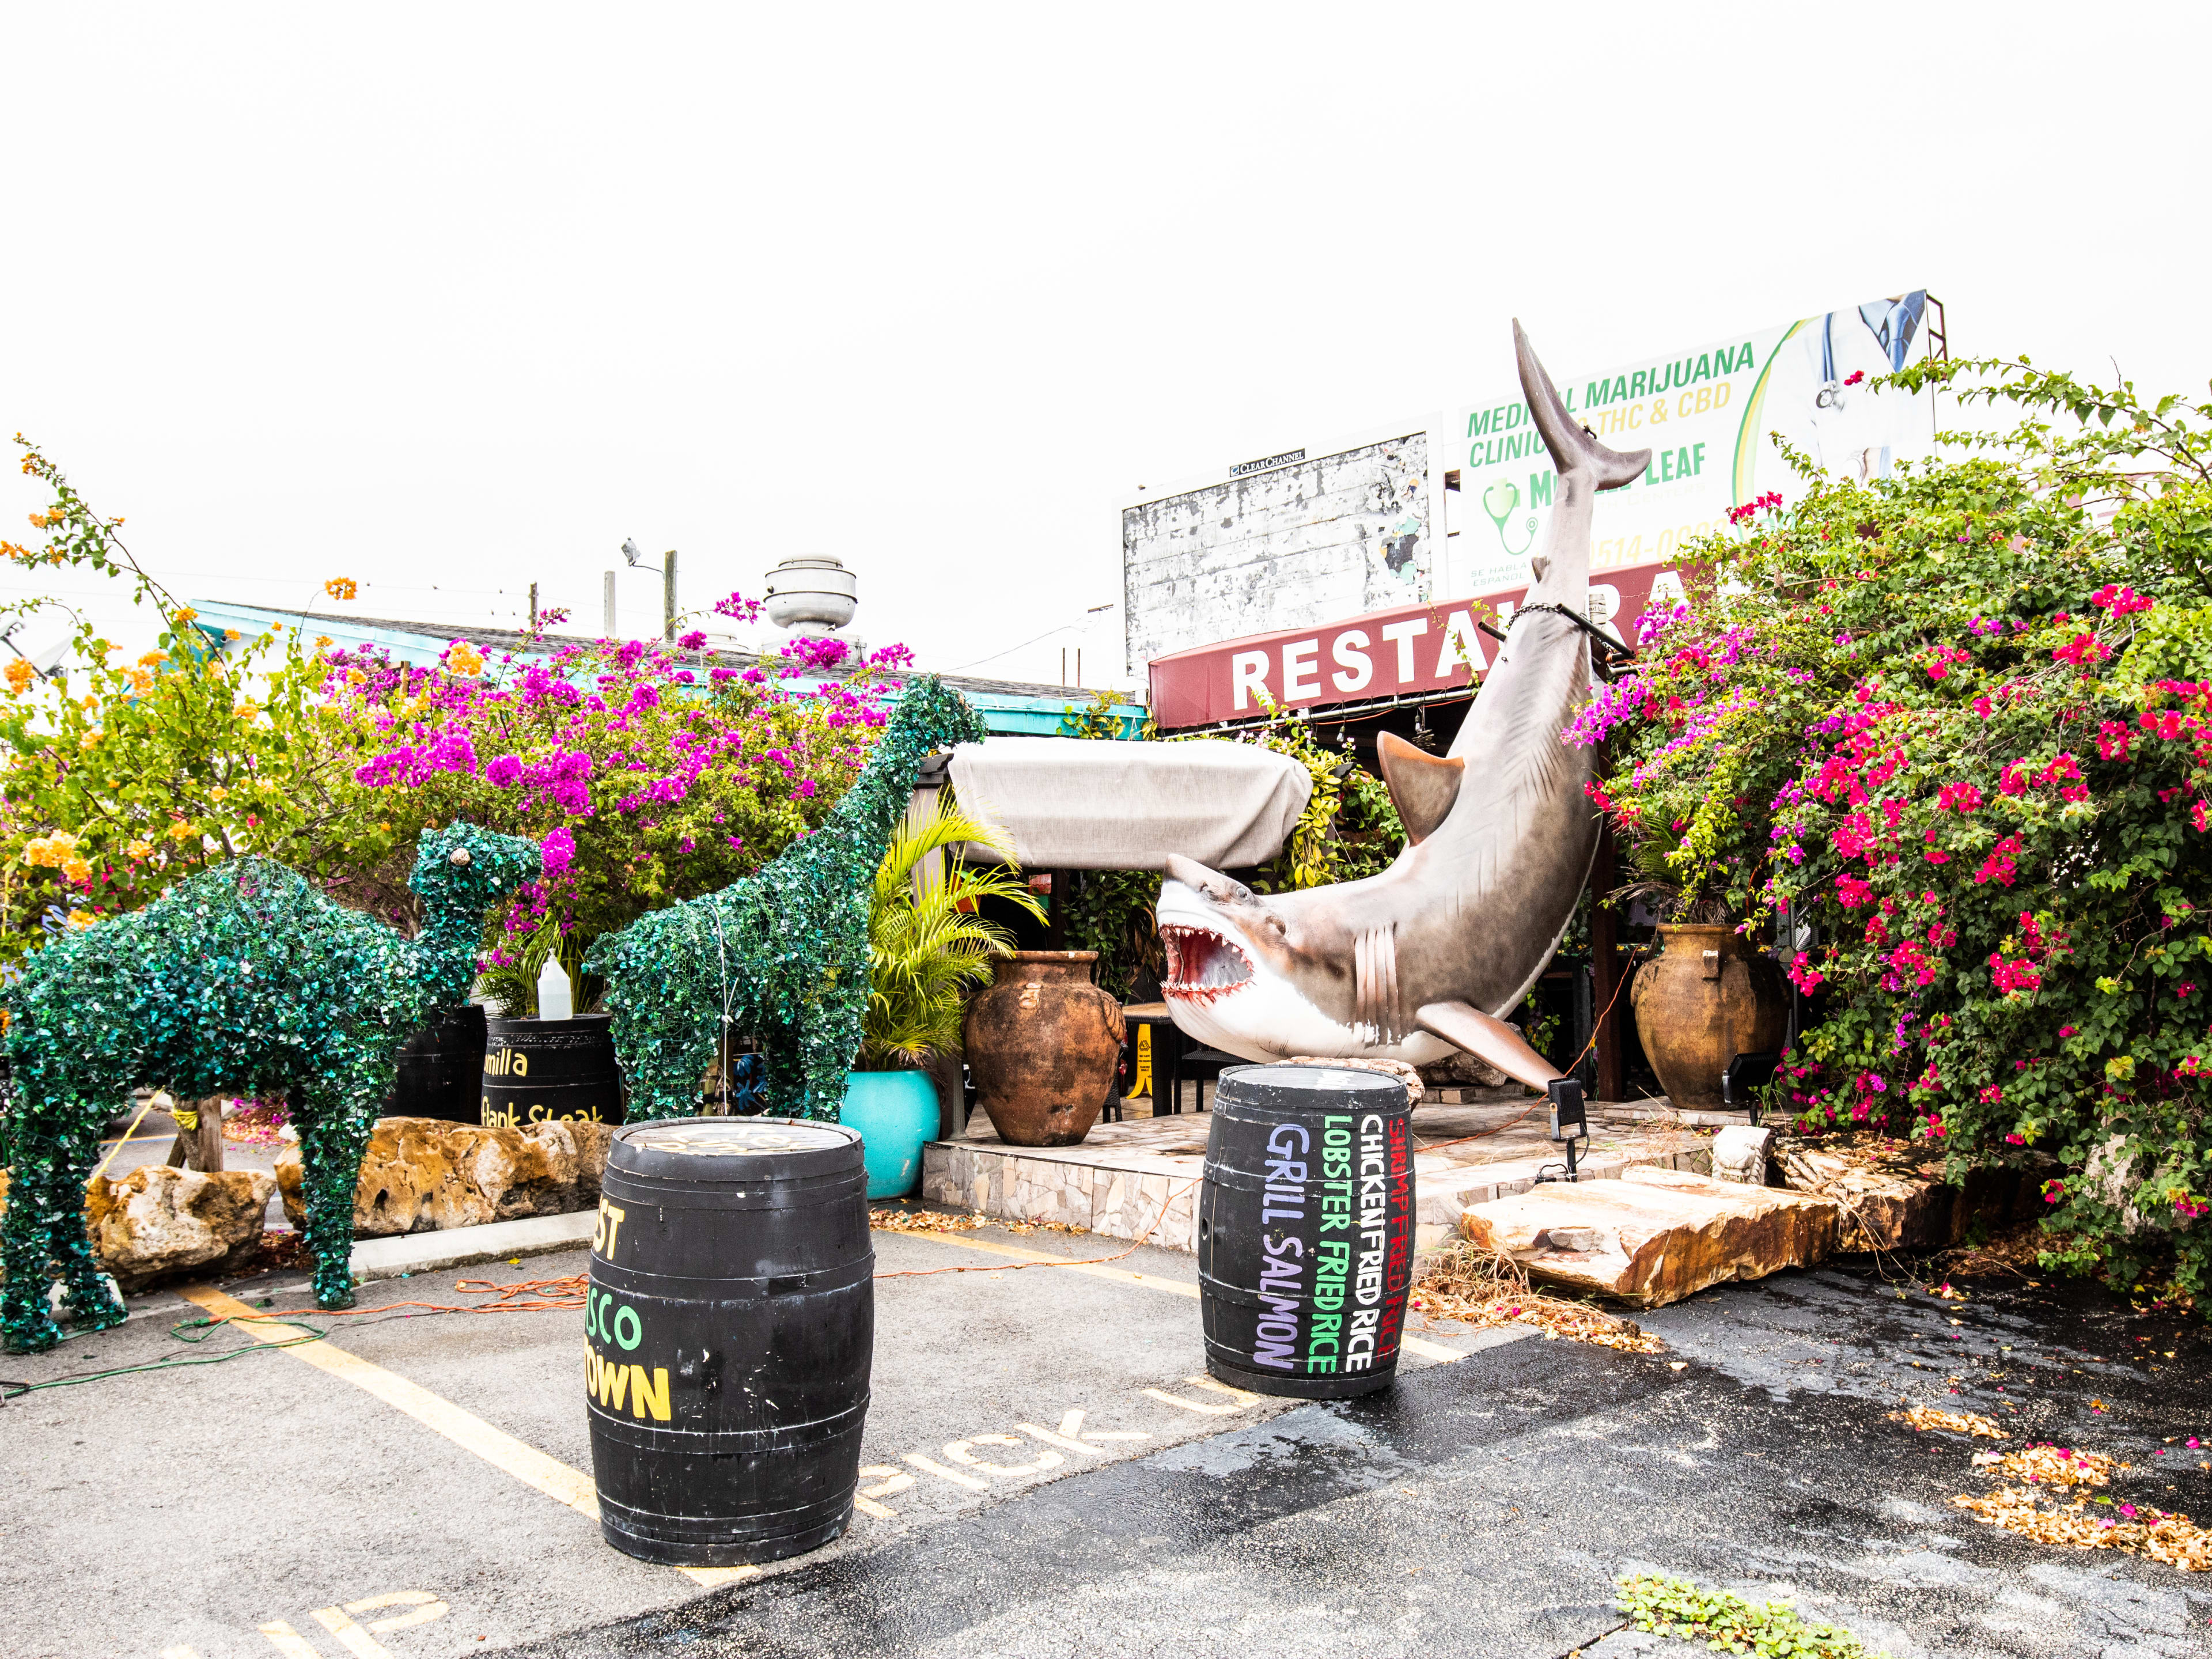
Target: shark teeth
<point x="1202" y="964"/>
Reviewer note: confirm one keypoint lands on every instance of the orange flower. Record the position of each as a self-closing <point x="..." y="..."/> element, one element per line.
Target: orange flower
<point x="74" y="868"/>
<point x="141" y="849"/>
<point x="342" y="588"/>
<point x="185" y="613"/>
<point x="20" y="675"/>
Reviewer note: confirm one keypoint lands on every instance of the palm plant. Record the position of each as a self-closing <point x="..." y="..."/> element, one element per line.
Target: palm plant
<point x="928" y="942"/>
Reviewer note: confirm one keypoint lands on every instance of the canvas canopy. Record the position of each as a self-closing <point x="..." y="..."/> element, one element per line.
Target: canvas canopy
<point x="1072" y="804"/>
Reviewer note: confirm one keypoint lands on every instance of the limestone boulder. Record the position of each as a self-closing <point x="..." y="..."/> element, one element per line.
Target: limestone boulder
<point x="1896" y="1199"/>
<point x="156" y="1221"/>
<point x="1462" y="1070"/>
<point x="425" y="1175"/>
<point x="1655" y="1234"/>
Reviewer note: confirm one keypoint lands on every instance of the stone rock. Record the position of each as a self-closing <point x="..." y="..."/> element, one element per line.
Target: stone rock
<point x="1656" y="1236"/>
<point x="157" y="1221"/>
<point x="425" y="1175"/>
<point x="1900" y="1200"/>
<point x="1461" y="1070"/>
<point x="1740" y="1154"/>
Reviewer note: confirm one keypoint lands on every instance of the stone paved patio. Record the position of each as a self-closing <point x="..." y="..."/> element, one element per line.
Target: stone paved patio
<point x="1143" y="1173"/>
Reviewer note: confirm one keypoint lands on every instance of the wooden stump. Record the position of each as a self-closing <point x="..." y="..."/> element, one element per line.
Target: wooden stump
<point x="198" y="1145"/>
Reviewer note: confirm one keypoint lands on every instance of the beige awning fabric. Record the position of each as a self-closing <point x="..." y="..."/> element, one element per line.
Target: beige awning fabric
<point x="1078" y="804"/>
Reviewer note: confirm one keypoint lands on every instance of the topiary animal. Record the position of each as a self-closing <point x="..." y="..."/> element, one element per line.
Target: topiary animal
<point x="242" y="981"/>
<point x="782" y="954"/>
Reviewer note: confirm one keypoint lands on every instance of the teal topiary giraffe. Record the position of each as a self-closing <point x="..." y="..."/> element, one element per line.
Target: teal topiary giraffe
<point x="782" y="955"/>
<point x="242" y="981"/>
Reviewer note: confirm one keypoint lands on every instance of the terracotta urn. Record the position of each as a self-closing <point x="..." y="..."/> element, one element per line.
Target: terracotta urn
<point x="1042" y="1042"/>
<point x="1706" y="998"/>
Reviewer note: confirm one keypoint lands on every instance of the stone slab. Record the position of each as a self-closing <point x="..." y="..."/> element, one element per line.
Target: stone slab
<point x="1655" y="1235"/>
<point x="464" y="1247"/>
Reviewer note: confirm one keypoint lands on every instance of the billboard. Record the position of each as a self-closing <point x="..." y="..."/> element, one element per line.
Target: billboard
<point x="1705" y="414"/>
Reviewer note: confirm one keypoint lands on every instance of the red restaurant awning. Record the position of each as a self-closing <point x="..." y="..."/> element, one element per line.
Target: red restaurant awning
<point x="1411" y="650"/>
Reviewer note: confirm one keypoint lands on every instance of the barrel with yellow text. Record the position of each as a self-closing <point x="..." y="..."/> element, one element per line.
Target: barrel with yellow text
<point x="544" y="1071"/>
<point x="729" y="1326"/>
<point x="1305" y="1230"/>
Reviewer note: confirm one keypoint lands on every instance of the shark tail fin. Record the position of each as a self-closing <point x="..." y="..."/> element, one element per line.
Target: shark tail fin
<point x="1574" y="451"/>
<point x="1488" y="1039"/>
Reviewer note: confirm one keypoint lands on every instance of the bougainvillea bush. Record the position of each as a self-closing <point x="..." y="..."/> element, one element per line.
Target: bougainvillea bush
<point x="1958" y="723"/>
<point x="646" y="774"/>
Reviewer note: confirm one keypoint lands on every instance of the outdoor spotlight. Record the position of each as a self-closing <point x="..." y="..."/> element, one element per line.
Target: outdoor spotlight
<point x="1570" y="1124"/>
<point x="630" y="555"/>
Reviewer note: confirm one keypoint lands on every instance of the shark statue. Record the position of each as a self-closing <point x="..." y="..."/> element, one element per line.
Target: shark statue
<point x="1426" y="957"/>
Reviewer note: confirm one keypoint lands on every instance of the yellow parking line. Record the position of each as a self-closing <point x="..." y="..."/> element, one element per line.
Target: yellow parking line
<point x="465" y="1428"/>
<point x="1412" y="1345"/>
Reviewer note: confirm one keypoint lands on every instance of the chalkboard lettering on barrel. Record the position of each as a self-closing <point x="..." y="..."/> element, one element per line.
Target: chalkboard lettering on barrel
<point x="1305" y="1230"/>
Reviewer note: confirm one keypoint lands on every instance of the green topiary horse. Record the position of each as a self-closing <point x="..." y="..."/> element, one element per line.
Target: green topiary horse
<point x="242" y="981"/>
<point x="782" y="954"/>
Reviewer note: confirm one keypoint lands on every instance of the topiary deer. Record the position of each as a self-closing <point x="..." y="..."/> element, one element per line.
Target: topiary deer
<point x="242" y="981"/>
<point x="782" y="954"/>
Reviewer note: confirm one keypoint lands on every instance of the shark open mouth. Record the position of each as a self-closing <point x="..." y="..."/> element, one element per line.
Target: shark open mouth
<point x="1202" y="964"/>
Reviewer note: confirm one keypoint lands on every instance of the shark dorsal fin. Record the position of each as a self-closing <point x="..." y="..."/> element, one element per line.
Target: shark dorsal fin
<point x="1423" y="787"/>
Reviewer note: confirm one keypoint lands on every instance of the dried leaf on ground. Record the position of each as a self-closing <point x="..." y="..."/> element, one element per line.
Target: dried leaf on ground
<point x="923" y="1221"/>
<point x="1928" y="1417"/>
<point x="1485" y="1288"/>
<point x="2134" y="1529"/>
<point x="1035" y="1225"/>
<point x="2047" y="1465"/>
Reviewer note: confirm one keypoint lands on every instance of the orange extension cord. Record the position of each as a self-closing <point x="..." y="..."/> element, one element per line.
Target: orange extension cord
<point x="566" y="1293"/>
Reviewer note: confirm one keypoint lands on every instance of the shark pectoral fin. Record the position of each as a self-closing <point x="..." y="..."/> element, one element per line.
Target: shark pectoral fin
<point x="1423" y="787"/>
<point x="1489" y="1040"/>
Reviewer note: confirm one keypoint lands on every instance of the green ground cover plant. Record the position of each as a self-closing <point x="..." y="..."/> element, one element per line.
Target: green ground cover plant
<point x="1726" y="1623"/>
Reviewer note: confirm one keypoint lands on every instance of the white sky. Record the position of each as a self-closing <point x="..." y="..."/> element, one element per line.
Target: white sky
<point x="449" y="299"/>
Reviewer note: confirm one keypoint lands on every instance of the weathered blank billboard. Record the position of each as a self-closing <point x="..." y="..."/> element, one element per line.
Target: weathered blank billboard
<point x="1285" y="542"/>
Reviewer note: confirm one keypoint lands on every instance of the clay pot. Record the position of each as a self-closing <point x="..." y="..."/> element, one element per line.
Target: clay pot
<point x="1706" y="998"/>
<point x="1042" y="1042"/>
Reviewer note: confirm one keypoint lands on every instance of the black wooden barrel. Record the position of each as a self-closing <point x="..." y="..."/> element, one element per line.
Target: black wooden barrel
<point x="730" y="1328"/>
<point x="439" y="1068"/>
<point x="536" y="1070"/>
<point x="1305" y="1230"/>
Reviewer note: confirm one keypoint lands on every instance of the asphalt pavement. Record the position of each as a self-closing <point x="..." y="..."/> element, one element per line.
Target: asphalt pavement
<point x="1051" y="1476"/>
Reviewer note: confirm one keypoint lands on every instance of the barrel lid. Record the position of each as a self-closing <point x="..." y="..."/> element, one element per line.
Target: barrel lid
<point x="1330" y="1079"/>
<point x="1288" y="1088"/>
<point x="732" y="1148"/>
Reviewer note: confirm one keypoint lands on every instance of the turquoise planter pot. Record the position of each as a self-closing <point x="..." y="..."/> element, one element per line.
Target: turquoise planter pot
<point x="895" y="1113"/>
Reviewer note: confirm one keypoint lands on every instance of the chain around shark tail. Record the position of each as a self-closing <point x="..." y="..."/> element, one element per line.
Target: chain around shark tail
<point x="1585" y="466"/>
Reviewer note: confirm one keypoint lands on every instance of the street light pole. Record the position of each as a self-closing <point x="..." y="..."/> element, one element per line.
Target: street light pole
<point x="607" y="606"/>
<point x="668" y="596"/>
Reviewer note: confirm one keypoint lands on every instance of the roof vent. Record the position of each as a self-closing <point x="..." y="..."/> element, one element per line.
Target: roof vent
<point x="812" y="596"/>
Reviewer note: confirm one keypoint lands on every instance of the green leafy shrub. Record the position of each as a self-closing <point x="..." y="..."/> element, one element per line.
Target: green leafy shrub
<point x="1958" y="722"/>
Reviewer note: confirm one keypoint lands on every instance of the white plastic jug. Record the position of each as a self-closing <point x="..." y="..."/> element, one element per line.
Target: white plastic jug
<point x="555" y="999"/>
